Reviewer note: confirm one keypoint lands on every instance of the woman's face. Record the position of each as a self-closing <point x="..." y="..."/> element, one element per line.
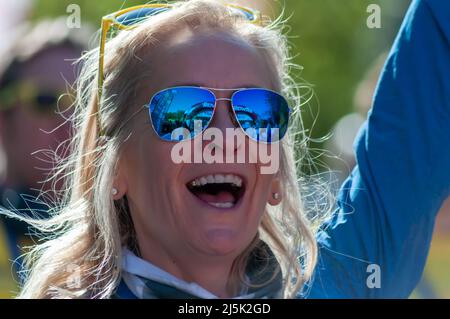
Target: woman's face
<point x="169" y="217"/>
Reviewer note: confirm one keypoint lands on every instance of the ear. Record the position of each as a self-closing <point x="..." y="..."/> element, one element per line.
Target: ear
<point x="274" y="196"/>
<point x="119" y="183"/>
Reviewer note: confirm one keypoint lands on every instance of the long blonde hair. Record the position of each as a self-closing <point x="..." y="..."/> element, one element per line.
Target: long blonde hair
<point x="87" y="230"/>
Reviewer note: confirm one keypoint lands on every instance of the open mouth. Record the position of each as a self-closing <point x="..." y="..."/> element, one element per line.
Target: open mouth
<point x="218" y="190"/>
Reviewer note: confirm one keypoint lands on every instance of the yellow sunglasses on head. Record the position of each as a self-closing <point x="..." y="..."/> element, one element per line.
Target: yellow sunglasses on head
<point x="129" y="18"/>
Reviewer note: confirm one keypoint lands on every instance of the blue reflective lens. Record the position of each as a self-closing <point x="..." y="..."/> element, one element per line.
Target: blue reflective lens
<point x="247" y="14"/>
<point x="181" y="112"/>
<point x="262" y="114"/>
<point x="138" y="15"/>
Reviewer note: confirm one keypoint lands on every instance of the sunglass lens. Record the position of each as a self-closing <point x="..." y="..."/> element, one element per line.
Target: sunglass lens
<point x="245" y="13"/>
<point x="262" y="114"/>
<point x="181" y="113"/>
<point x="138" y="15"/>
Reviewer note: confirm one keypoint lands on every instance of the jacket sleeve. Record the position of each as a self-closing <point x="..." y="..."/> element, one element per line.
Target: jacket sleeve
<point x="387" y="207"/>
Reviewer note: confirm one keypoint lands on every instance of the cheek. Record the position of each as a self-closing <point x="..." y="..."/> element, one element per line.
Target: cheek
<point x="150" y="170"/>
<point x="259" y="197"/>
<point x="152" y="178"/>
<point x="265" y="187"/>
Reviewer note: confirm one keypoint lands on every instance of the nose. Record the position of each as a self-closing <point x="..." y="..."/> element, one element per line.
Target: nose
<point x="223" y="116"/>
<point x="223" y="119"/>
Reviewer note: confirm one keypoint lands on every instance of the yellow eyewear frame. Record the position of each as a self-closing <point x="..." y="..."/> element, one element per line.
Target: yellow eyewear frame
<point x="110" y="20"/>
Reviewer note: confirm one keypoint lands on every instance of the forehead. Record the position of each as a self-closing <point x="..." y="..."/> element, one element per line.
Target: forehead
<point x="211" y="59"/>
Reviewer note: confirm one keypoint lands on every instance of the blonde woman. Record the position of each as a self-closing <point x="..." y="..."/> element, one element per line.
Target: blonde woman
<point x="138" y="222"/>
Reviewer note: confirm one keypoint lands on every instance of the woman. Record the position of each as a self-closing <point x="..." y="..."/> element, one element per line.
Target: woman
<point x="137" y="222"/>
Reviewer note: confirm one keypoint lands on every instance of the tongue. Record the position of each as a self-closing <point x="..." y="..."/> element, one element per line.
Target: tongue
<point x="221" y="197"/>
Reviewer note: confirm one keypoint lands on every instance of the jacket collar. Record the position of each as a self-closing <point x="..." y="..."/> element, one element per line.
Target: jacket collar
<point x="147" y="281"/>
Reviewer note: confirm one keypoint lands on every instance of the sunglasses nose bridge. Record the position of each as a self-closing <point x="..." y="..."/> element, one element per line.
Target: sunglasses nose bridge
<point x="224" y="119"/>
<point x="223" y="116"/>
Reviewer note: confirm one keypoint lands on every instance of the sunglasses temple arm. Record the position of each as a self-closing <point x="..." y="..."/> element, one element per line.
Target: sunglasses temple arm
<point x="106" y="24"/>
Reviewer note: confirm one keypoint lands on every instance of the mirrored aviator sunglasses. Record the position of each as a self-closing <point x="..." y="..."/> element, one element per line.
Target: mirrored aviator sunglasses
<point x="182" y="113"/>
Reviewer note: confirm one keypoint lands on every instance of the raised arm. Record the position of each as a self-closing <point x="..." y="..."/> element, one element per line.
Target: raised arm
<point x="387" y="207"/>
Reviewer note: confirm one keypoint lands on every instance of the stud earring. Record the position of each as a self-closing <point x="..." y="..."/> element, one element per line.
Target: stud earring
<point x="114" y="191"/>
<point x="275" y="196"/>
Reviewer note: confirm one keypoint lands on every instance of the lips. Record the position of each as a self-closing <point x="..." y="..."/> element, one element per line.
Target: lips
<point x="218" y="190"/>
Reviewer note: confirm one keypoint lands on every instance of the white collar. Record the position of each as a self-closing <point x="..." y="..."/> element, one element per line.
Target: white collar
<point x="134" y="267"/>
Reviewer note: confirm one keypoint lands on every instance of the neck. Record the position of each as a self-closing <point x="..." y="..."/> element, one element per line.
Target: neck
<point x="211" y="273"/>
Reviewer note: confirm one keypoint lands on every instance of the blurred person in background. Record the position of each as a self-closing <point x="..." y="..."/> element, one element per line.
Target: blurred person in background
<point x="35" y="73"/>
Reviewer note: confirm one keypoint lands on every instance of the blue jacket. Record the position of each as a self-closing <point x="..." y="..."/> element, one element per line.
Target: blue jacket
<point x="387" y="206"/>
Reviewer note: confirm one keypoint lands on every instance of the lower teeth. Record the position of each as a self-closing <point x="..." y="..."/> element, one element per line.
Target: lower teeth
<point x="222" y="205"/>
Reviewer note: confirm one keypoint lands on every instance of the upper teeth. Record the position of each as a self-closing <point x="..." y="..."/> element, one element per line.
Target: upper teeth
<point x="217" y="179"/>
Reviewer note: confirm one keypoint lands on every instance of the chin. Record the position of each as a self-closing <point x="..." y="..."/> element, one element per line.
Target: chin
<point x="224" y="242"/>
